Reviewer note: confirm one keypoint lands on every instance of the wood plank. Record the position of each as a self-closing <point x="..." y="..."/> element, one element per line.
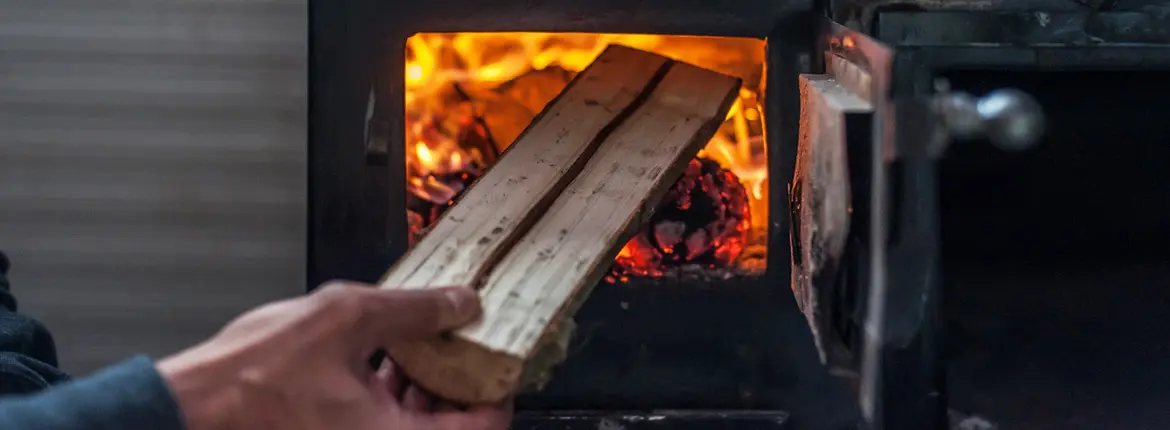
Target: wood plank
<point x="539" y="284"/>
<point x="821" y="202"/>
<point x="500" y="206"/>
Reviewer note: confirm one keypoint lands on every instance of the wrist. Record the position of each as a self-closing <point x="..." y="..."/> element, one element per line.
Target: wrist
<point x="203" y="387"/>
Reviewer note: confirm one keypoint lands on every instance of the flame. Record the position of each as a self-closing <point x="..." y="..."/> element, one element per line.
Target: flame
<point x="453" y="80"/>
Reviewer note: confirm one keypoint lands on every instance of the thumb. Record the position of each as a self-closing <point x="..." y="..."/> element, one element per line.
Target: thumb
<point x="392" y="315"/>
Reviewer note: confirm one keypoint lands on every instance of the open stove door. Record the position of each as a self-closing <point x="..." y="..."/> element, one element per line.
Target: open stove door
<point x="863" y="211"/>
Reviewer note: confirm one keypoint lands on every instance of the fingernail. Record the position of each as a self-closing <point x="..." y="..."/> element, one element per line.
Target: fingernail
<point x="462" y="302"/>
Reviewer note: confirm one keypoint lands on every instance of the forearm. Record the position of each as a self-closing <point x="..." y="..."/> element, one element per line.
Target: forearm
<point x="131" y="395"/>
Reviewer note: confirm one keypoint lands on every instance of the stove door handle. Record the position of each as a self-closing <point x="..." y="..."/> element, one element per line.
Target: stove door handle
<point x="1011" y="119"/>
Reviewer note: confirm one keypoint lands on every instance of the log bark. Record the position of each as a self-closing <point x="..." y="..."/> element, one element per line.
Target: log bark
<point x="540" y="270"/>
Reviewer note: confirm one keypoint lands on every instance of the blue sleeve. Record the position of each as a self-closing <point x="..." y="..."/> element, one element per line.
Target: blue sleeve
<point x="129" y="396"/>
<point x="35" y="396"/>
<point x="28" y="355"/>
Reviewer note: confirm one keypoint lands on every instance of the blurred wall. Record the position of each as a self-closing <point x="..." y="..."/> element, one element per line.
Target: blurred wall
<point x="152" y="166"/>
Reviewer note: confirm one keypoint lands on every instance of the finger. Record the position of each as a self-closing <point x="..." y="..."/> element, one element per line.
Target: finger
<point x="381" y="385"/>
<point x="416" y="314"/>
<point x="415" y="400"/>
<point x="440" y="406"/>
<point x="397" y="381"/>
<point x="492" y="417"/>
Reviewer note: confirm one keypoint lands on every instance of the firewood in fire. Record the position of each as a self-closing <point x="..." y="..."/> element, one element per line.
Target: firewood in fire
<point x="502" y="117"/>
<point x="440" y="134"/>
<point x="490" y="121"/>
<point x="434" y="186"/>
<point x="415" y="227"/>
<point x="508" y="108"/>
<point x="441" y="191"/>
<point x="703" y="220"/>
<point x="535" y="88"/>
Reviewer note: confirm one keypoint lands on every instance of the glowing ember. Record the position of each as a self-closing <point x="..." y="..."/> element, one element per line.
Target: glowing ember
<point x="703" y="219"/>
<point x="469" y="95"/>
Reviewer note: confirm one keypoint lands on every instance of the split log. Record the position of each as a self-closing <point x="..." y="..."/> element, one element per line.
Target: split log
<point x="544" y="258"/>
<point x="513" y="193"/>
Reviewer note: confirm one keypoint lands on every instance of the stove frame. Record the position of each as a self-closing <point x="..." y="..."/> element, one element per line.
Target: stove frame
<point x="926" y="45"/>
<point x="357" y="48"/>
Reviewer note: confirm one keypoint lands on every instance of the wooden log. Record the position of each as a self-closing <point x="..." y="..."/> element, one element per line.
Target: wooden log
<point x="492" y="214"/>
<point x="821" y="201"/>
<point x="542" y="279"/>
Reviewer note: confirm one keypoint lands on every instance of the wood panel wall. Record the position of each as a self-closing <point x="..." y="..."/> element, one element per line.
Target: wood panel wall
<point x="152" y="166"/>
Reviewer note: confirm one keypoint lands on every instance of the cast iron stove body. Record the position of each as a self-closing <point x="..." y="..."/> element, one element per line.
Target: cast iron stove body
<point x="724" y="354"/>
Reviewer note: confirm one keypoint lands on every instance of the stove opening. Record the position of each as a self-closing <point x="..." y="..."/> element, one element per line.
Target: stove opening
<point x="469" y="95"/>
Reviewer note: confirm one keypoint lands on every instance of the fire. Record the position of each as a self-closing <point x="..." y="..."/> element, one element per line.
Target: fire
<point x="469" y="95"/>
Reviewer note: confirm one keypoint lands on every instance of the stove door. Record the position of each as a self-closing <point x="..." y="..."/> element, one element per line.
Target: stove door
<point x="863" y="210"/>
<point x="863" y="201"/>
<point x="830" y="194"/>
<point x="864" y="234"/>
<point x="834" y="137"/>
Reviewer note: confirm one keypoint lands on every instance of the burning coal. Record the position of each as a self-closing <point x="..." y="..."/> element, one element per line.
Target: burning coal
<point x="703" y="220"/>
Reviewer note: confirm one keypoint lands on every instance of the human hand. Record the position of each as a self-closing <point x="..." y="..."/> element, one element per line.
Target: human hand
<point x="412" y="408"/>
<point x="303" y="363"/>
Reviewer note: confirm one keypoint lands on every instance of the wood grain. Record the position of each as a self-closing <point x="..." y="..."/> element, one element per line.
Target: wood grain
<point x="574" y="244"/>
<point x="539" y="283"/>
<point x="498" y="208"/>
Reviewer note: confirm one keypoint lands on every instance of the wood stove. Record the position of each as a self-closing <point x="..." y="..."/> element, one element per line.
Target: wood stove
<point x="643" y="343"/>
<point x="703" y="351"/>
